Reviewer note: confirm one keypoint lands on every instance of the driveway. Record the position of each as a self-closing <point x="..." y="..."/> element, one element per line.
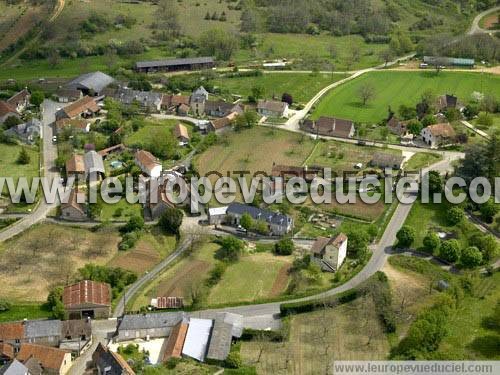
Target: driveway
<point x="475" y="28"/>
<point x="49" y="155"/>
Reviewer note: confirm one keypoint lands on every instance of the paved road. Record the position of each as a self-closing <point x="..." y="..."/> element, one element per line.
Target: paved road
<point x="49" y="170"/>
<point x="146" y="278"/>
<point x="476" y="130"/>
<point x="475" y="28"/>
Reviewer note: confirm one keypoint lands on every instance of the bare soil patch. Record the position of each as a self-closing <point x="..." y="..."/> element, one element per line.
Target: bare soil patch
<point x="139" y="260"/>
<point x="281" y="281"/>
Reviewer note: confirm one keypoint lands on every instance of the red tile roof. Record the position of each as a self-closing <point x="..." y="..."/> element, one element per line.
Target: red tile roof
<point x="442" y="130"/>
<point x="6" y="108"/>
<point x="80" y="106"/>
<point x="147" y="159"/>
<point x="181" y="131"/>
<point x="87" y="292"/>
<point x="6" y="350"/>
<point x="175" y="341"/>
<point x="11" y="331"/>
<point x="75" y="164"/>
<point x="50" y="358"/>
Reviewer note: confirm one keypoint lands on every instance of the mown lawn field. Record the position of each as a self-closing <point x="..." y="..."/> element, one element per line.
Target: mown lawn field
<point x="393" y="88"/>
<point x="253" y="277"/>
<point x="432" y="217"/>
<point x="422" y="160"/>
<point x="301" y="86"/>
<point x="254" y="150"/>
<point x="10" y="166"/>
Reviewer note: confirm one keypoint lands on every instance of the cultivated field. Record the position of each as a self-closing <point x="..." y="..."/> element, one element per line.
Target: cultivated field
<point x="301" y="86"/>
<point x="16" y="21"/>
<point x="33" y="262"/>
<point x="149" y="251"/>
<point x="347" y="332"/>
<point x="180" y="279"/>
<point x="393" y="88"/>
<point x="255" y="150"/>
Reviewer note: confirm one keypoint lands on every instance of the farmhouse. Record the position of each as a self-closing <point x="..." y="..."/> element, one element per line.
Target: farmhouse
<point x="144" y="326"/>
<point x="21" y="100"/>
<point x="438" y="135"/>
<point x="154" y="209"/>
<point x="398" y="127"/>
<point x="217" y="215"/>
<point x="172" y="102"/>
<point x="7" y="110"/>
<point x="85" y="107"/>
<point x="445" y="102"/>
<point x="384" y="160"/>
<point x="272" y="108"/>
<point x="27" y="132"/>
<point x="91" y="84"/>
<point x="53" y="361"/>
<point x="278" y="224"/>
<point x="148" y="100"/>
<point x="76" y="125"/>
<point x="330" y="127"/>
<point x="148" y="163"/>
<point x="170" y="65"/>
<point x="72" y="210"/>
<point x="66" y="95"/>
<point x="87" y="299"/>
<point x="219" y="124"/>
<point x="53" y="333"/>
<point x="75" y="166"/>
<point x="107" y="362"/>
<point x="330" y="253"/>
<point x="181" y="134"/>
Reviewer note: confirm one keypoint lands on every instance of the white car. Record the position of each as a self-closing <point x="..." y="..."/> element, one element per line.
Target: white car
<point x="54" y="138"/>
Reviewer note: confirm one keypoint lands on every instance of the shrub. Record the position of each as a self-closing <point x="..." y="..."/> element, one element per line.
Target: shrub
<point x="231" y="249"/>
<point x="24" y="157"/>
<point x="450" y="251"/>
<point x="233" y="360"/>
<point x="455" y="215"/>
<point x="4" y="305"/>
<point x="431" y="242"/>
<point x="471" y="257"/>
<point x="216" y="274"/>
<point x="405" y="236"/>
<point x="284" y="246"/>
<point x="171" y="220"/>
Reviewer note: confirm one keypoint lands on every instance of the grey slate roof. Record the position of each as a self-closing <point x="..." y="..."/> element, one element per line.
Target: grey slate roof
<point x="174" y="62"/>
<point x="96" y="81"/>
<point x="14" y="368"/>
<point x="93" y="162"/>
<point x="145" y="321"/>
<point x="145" y="98"/>
<point x="256" y="213"/>
<point x="42" y="328"/>
<point x="235" y="320"/>
<point x="220" y="340"/>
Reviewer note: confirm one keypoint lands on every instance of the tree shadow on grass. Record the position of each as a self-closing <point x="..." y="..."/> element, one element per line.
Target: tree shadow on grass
<point x="488" y="346"/>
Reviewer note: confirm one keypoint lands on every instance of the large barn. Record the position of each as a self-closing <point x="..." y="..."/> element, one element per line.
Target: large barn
<point x="173" y="65"/>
